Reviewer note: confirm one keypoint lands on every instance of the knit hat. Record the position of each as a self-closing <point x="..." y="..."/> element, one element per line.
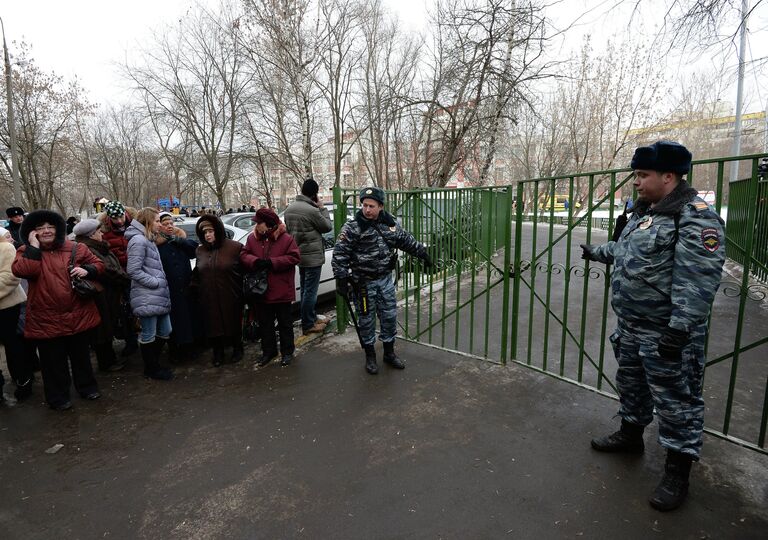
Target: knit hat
<point x="663" y="156"/>
<point x="86" y="227"/>
<point x="375" y="193"/>
<point x="4" y="232"/>
<point x="14" y="211"/>
<point x="309" y="188"/>
<point x="164" y="215"/>
<point x="266" y="216"/>
<point x="114" y="209"/>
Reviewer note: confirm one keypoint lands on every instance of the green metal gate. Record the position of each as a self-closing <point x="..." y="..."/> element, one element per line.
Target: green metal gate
<point x="509" y="283"/>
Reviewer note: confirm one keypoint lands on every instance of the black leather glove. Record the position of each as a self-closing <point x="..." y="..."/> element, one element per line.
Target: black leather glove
<point x="426" y="260"/>
<point x="262" y="264"/>
<point x="587" y="250"/>
<point x="671" y="344"/>
<point x="342" y="287"/>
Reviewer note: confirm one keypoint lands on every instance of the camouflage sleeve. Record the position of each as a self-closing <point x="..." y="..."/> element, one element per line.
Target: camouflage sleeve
<point x="604" y="253"/>
<point x="699" y="258"/>
<point x="342" y="251"/>
<point x="406" y="241"/>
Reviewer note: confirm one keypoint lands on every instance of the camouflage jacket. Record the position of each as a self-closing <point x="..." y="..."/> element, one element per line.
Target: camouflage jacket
<point x="667" y="262"/>
<point x="367" y="253"/>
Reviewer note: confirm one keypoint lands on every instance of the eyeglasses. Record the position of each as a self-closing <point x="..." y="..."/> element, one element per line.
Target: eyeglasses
<point x="41" y="228"/>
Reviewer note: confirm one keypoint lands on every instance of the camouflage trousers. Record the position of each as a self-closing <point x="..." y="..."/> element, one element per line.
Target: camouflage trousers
<point x="381" y="302"/>
<point x="645" y="380"/>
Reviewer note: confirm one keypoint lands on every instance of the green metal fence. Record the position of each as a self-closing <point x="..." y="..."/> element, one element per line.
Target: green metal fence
<point x="509" y="284"/>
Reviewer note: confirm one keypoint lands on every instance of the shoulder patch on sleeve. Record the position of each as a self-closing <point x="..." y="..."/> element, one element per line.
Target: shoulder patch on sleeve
<point x="710" y="239"/>
<point x="701" y="205"/>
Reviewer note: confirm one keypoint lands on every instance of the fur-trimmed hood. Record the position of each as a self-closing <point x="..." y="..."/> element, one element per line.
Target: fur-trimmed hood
<point x="672" y="203"/>
<point x="162" y="238"/>
<point x="38" y="217"/>
<point x="218" y="228"/>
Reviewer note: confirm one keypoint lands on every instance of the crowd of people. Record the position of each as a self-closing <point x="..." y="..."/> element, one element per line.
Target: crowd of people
<point x="143" y="289"/>
<point x="69" y="288"/>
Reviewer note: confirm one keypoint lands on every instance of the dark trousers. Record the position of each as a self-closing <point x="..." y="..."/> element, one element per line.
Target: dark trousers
<point x="56" y="357"/>
<point x="20" y="369"/>
<point x="267" y="314"/>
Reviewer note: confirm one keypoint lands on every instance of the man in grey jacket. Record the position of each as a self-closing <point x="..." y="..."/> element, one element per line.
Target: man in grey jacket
<point x="306" y="220"/>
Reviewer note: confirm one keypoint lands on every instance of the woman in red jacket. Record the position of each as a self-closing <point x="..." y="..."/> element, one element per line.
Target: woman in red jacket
<point x="57" y="319"/>
<point x="270" y="246"/>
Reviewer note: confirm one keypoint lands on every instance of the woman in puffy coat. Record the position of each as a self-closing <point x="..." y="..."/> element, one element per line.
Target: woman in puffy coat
<point x="12" y="297"/>
<point x="58" y="319"/>
<point x="115" y="280"/>
<point x="176" y="250"/>
<point x="150" y="297"/>
<point x="270" y="246"/>
<point x="218" y="283"/>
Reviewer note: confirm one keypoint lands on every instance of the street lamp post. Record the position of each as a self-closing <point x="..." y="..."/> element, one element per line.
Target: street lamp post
<point x="11" y="122"/>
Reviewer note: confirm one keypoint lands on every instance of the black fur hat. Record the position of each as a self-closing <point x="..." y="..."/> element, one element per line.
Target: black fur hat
<point x="38" y="217"/>
<point x="218" y="228"/>
<point x="663" y="156"/>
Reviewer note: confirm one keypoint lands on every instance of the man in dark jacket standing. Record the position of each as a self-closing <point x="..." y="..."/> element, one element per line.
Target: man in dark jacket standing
<point x="306" y="220"/>
<point x="364" y="257"/>
<point x="15" y="216"/>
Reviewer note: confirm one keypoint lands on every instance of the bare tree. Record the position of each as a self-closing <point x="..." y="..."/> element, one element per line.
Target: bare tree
<point x="193" y="74"/>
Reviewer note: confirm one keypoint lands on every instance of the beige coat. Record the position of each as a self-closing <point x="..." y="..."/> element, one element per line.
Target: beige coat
<point x="11" y="292"/>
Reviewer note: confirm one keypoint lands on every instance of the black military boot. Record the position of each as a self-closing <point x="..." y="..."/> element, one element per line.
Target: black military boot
<point x="390" y="357"/>
<point x="628" y="439"/>
<point x="370" y="360"/>
<point x="673" y="488"/>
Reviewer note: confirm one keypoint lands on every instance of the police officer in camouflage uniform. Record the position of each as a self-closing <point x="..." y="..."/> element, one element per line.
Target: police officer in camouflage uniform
<point x="667" y="262"/>
<point x="363" y="260"/>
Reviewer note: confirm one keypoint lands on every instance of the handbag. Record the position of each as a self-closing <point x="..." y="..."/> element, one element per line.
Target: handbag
<point x="84" y="288"/>
<point x="255" y="283"/>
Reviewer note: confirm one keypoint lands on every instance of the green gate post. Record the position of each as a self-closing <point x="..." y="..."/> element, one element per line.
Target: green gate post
<point x="507" y="217"/>
<point x="517" y="276"/>
<point x="339" y="218"/>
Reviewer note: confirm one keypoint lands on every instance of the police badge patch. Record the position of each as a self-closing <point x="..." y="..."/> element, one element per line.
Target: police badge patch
<point x="710" y="239"/>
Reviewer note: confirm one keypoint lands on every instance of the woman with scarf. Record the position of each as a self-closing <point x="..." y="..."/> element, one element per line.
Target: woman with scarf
<point x="270" y="247"/>
<point x="115" y="280"/>
<point x="218" y="283"/>
<point x="175" y="252"/>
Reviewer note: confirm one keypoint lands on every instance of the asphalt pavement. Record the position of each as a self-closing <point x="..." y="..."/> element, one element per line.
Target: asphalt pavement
<point x="451" y="447"/>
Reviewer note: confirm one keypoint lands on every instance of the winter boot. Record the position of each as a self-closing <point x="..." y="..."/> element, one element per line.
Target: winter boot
<point x="390" y="357"/>
<point x="673" y="488"/>
<point x="23" y="390"/>
<point x="237" y="351"/>
<point x="150" y="353"/>
<point x="628" y="439"/>
<point x="218" y="355"/>
<point x="370" y="360"/>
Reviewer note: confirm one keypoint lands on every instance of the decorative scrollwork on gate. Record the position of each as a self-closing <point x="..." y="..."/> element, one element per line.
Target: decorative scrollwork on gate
<point x="756" y="292"/>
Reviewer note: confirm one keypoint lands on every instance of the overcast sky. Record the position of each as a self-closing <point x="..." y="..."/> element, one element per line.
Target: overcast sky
<point x="86" y="38"/>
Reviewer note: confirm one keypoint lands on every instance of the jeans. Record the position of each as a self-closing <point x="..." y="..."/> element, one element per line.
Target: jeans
<point x="310" y="281"/>
<point x="156" y="325"/>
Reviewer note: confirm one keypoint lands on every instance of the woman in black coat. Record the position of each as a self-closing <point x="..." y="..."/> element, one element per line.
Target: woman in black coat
<point x="176" y="250"/>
